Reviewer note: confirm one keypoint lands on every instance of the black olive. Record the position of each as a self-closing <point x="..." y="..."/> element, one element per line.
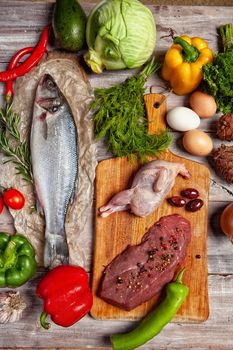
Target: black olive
<point x="194" y="205"/>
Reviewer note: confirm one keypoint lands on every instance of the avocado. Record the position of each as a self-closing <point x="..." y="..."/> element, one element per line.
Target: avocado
<point x="69" y="25"/>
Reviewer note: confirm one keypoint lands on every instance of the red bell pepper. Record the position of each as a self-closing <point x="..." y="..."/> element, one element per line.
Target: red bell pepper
<point x="66" y="293"/>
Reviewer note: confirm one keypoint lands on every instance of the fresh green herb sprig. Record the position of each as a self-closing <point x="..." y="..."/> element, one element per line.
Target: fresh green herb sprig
<point x="11" y="144"/>
<point x="120" y="116"/>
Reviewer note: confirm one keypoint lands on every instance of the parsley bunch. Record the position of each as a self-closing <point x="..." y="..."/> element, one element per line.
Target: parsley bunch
<point x="218" y="75"/>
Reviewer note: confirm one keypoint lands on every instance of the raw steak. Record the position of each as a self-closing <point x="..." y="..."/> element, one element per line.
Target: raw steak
<point x="142" y="270"/>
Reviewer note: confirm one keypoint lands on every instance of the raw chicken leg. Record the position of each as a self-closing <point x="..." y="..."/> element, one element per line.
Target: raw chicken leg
<point x="150" y="185"/>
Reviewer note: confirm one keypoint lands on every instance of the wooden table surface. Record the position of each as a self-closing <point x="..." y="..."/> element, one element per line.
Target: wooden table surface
<point x="19" y="24"/>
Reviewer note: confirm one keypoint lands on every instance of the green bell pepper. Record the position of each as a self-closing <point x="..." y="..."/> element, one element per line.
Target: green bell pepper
<point x="17" y="260"/>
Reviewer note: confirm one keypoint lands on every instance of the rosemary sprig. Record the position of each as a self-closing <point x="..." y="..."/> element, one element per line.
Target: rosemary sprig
<point x="11" y="144"/>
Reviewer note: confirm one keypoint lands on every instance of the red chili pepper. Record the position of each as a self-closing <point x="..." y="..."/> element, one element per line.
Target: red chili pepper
<point x="13" y="63"/>
<point x="66" y="293"/>
<point x="30" y="62"/>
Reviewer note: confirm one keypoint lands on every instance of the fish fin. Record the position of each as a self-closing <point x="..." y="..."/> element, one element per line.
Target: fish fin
<point x="7" y="221"/>
<point x="45" y="129"/>
<point x="39" y="208"/>
<point x="73" y="194"/>
<point x="56" y="251"/>
<point x="72" y="197"/>
<point x="71" y="201"/>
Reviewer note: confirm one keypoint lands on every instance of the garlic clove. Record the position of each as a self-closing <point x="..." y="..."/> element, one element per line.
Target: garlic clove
<point x="12" y="306"/>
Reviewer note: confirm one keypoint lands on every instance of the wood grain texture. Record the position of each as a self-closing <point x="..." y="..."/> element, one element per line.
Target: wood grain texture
<point x="160" y="2"/>
<point x="21" y="21"/>
<point x="114" y="233"/>
<point x="92" y="334"/>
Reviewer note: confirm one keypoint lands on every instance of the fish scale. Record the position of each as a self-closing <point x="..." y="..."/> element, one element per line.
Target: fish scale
<point x="55" y="166"/>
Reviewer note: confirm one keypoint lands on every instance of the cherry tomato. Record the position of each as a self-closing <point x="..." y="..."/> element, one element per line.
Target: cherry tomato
<point x="14" y="199"/>
<point x="1" y="204"/>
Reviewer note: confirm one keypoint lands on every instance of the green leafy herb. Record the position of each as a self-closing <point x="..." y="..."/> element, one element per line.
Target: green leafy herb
<point x="218" y="75"/>
<point x="121" y="116"/>
<point x="11" y="145"/>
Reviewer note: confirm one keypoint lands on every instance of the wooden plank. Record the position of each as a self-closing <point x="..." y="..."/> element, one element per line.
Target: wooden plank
<point x="92" y="334"/>
<point x="214" y="334"/>
<point x="125" y="228"/>
<point x="20" y="21"/>
<point x="162" y="2"/>
<point x="220" y="257"/>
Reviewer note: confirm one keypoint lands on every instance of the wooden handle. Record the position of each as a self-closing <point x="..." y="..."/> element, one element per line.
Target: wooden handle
<point x="156" y="109"/>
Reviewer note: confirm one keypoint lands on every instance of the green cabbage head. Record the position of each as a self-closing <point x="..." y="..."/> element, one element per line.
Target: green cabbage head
<point x="120" y="34"/>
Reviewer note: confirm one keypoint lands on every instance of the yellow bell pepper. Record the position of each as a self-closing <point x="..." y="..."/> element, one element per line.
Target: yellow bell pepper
<point x="183" y="63"/>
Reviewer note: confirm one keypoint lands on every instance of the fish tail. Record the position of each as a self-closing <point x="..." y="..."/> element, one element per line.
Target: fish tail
<point x="56" y="251"/>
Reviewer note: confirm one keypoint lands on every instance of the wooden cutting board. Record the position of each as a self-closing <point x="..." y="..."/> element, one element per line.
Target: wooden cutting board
<point x="114" y="233"/>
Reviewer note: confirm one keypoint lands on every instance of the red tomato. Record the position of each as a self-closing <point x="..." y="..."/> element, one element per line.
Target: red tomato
<point x="1" y="204"/>
<point x="13" y="199"/>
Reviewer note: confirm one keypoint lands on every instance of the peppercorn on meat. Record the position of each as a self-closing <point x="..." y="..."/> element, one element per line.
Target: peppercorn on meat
<point x="142" y="270"/>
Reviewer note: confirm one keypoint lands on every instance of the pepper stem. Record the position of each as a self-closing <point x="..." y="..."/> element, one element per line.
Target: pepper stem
<point x="8" y="98"/>
<point x="180" y="276"/>
<point x="151" y="67"/>
<point x="44" y="324"/>
<point x="9" y="255"/>
<point x="190" y="52"/>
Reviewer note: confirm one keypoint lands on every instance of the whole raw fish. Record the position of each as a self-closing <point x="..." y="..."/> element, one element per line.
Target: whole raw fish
<point x="55" y="165"/>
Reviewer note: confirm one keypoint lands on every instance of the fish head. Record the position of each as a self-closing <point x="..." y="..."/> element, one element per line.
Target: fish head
<point x="48" y="95"/>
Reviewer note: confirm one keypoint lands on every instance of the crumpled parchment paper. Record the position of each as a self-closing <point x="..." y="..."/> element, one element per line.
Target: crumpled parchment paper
<point x="73" y="83"/>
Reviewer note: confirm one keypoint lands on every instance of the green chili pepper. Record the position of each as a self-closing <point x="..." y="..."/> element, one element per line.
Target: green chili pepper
<point x="17" y="260"/>
<point x="154" y="322"/>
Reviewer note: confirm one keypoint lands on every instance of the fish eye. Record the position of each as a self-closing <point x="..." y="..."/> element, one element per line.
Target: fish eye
<point x="50" y="85"/>
<point x="54" y="109"/>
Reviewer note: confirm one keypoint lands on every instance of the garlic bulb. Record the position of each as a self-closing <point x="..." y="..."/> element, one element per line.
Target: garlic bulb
<point x="11" y="307"/>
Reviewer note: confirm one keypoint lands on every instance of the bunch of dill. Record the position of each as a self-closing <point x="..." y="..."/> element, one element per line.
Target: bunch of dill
<point x="120" y="116"/>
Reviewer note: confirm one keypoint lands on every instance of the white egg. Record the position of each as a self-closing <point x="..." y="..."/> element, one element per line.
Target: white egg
<point x="182" y="119"/>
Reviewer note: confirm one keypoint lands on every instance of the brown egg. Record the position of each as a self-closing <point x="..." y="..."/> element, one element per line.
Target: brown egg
<point x="197" y="142"/>
<point x="204" y="105"/>
<point x="226" y="221"/>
